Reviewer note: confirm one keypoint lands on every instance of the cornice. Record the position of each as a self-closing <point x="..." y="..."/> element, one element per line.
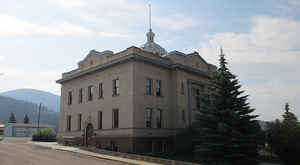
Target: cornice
<point x="137" y="58"/>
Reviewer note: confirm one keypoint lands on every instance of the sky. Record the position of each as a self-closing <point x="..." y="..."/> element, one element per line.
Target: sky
<point x="39" y="40"/>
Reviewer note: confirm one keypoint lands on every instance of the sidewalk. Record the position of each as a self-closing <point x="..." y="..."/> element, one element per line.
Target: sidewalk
<point x="56" y="146"/>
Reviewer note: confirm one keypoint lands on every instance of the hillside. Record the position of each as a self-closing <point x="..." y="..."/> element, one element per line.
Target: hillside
<point x="20" y="108"/>
<point x="35" y="96"/>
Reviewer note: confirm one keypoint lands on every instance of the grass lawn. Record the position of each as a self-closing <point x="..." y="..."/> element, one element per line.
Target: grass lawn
<point x="1" y="137"/>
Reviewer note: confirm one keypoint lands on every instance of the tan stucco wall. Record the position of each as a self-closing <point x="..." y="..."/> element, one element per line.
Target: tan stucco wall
<point x="123" y="102"/>
<point x="142" y="71"/>
<point x="182" y="99"/>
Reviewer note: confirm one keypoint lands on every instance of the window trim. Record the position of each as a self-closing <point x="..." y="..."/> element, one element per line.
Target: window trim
<point x="69" y="123"/>
<point x="100" y="90"/>
<point x="114" y="125"/>
<point x="100" y="122"/>
<point x="159" y="124"/>
<point x="198" y="99"/>
<point x="158" y="83"/>
<point x="183" y="115"/>
<point x="182" y="88"/>
<point x="91" y="93"/>
<point x="80" y="96"/>
<point x="150" y="118"/>
<point x="116" y="88"/>
<point x="70" y="97"/>
<point x="79" y="122"/>
<point x="149" y="90"/>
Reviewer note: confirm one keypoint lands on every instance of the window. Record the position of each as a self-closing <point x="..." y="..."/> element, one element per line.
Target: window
<point x="149" y="148"/>
<point x="198" y="99"/>
<point x="100" y="90"/>
<point x="114" y="146"/>
<point x="115" y="118"/>
<point x="79" y="121"/>
<point x="80" y="96"/>
<point x="99" y="119"/>
<point x="206" y="99"/>
<point x="116" y="87"/>
<point x="183" y="116"/>
<point x="148" y="86"/>
<point x="70" y="98"/>
<point x="148" y="118"/>
<point x="159" y="118"/>
<point x="182" y="88"/>
<point x="90" y="93"/>
<point x="158" y="88"/>
<point x="69" y="123"/>
<point x="159" y="146"/>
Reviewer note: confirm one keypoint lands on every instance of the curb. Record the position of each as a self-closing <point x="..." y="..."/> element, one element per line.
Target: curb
<point x="97" y="155"/>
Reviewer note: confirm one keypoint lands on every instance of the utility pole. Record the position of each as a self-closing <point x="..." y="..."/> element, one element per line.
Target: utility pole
<point x="39" y="115"/>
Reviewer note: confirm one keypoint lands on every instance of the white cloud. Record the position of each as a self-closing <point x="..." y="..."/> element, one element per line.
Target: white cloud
<point x="111" y="35"/>
<point x="275" y="33"/>
<point x="91" y="18"/>
<point x="270" y="40"/>
<point x="68" y="3"/>
<point x="175" y="21"/>
<point x="100" y="4"/>
<point x="269" y="98"/>
<point x="14" y="78"/>
<point x="119" y="4"/>
<point x="62" y="28"/>
<point x="294" y="2"/>
<point x="12" y="26"/>
<point x="123" y="12"/>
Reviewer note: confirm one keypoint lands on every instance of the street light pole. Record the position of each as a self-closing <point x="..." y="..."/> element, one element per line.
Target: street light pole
<point x="39" y="115"/>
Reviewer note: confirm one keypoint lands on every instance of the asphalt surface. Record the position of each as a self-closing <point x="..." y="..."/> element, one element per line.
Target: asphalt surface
<point x="16" y="151"/>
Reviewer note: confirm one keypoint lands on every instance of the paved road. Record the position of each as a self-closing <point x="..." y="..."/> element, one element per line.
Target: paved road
<point x="16" y="151"/>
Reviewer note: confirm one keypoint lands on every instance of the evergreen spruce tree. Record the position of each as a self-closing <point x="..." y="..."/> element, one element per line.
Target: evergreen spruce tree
<point x="12" y="118"/>
<point x="26" y="119"/>
<point x="226" y="129"/>
<point x="283" y="137"/>
<point x="289" y="119"/>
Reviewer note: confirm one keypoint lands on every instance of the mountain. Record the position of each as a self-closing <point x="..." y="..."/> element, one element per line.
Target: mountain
<point x="20" y="108"/>
<point x="35" y="96"/>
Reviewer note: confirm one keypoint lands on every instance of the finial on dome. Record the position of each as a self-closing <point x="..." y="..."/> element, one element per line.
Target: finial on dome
<point x="150" y="45"/>
<point x="150" y="17"/>
<point x="150" y="35"/>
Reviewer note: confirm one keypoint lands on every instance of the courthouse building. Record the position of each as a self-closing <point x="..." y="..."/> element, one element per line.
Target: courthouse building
<point x="135" y="100"/>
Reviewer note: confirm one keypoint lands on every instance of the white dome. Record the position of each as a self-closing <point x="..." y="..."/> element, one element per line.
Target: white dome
<point x="151" y="46"/>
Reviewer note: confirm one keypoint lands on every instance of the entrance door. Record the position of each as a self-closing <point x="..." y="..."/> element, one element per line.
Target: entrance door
<point x="89" y="132"/>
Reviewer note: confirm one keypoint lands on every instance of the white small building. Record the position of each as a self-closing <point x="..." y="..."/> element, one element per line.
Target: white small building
<point x="2" y="126"/>
<point x="23" y="130"/>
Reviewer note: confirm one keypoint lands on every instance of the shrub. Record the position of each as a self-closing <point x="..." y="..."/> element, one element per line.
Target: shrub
<point x="44" y="135"/>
